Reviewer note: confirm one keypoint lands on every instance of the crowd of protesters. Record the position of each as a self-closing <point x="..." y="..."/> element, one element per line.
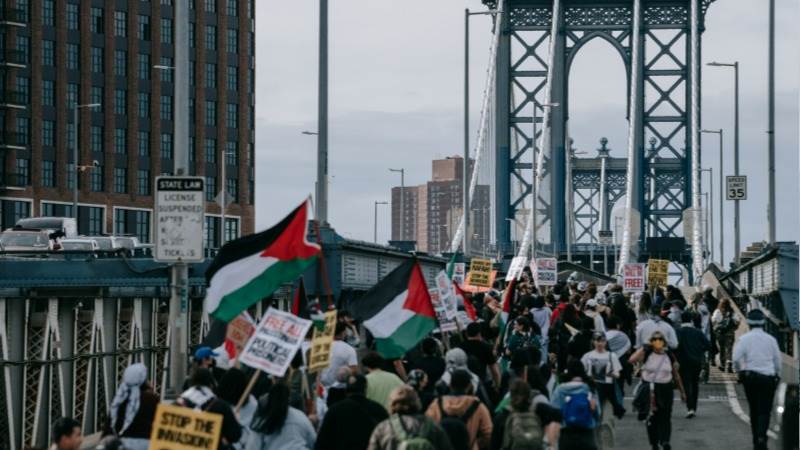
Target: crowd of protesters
<point x="551" y="374"/>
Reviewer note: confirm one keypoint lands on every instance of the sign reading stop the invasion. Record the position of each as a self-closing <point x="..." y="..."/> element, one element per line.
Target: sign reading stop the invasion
<point x="633" y="277"/>
<point x="275" y="342"/>
<point x="545" y="271"/>
<point x="480" y="272"/>
<point x="179" y="219"/>
<point x="180" y="428"/>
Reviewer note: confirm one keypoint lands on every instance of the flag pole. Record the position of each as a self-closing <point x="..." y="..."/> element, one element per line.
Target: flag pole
<point x="247" y="390"/>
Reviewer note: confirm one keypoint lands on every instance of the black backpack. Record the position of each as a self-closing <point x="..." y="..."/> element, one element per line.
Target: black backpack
<point x="455" y="426"/>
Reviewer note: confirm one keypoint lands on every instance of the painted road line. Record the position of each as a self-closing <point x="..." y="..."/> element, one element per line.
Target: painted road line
<point x="733" y="400"/>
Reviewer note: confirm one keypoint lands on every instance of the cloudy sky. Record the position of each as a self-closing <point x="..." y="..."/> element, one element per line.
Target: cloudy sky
<point x="396" y="71"/>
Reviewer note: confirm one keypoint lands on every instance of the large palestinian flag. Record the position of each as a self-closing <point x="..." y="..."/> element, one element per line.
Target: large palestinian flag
<point x="251" y="268"/>
<point x="397" y="311"/>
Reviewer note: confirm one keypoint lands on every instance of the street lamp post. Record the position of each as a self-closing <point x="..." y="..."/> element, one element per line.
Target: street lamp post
<point x="736" y="229"/>
<point x="375" y="223"/>
<point x="402" y="173"/>
<point x="721" y="200"/>
<point x="709" y="209"/>
<point x="322" y="118"/>
<point x="75" y="163"/>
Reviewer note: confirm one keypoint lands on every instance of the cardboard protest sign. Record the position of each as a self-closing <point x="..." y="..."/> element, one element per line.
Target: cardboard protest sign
<point x="273" y="345"/>
<point x="467" y="287"/>
<point x="633" y="277"/>
<point x="238" y="333"/>
<point x="480" y="272"/>
<point x="446" y="294"/>
<point x="445" y="324"/>
<point x="180" y="428"/>
<point x="459" y="272"/>
<point x="320" y="354"/>
<point x="516" y="268"/>
<point x="657" y="272"/>
<point x="545" y="271"/>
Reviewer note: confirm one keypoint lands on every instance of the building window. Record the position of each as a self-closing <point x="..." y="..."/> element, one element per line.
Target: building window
<point x="96" y="138"/>
<point x="72" y="16"/>
<point x="48" y="133"/>
<point x="48" y="53"/>
<point x="97" y="59"/>
<point x="144" y="104"/>
<point x="192" y="40"/>
<point x="24" y="88"/>
<point x="166" y="31"/>
<point x="211" y="188"/>
<point x="211" y="75"/>
<point x="211" y="150"/>
<point x="120" y="24"/>
<point x="166" y="107"/>
<point x="232" y="78"/>
<point x="96" y="96"/>
<point x="192" y="67"/>
<point x="70" y="176"/>
<point x="232" y="188"/>
<point x="231" y="229"/>
<point x="72" y="56"/>
<point x="232" y="41"/>
<point x="24" y="130"/>
<point x="120" y="135"/>
<point x="166" y="74"/>
<point x="144" y="143"/>
<point x="142" y="223"/>
<point x="143" y="28"/>
<point x="73" y="91"/>
<point x="48" y="93"/>
<point x="97" y="179"/>
<point x="120" y="63"/>
<point x="120" y="180"/>
<point x="167" y="2"/>
<point x="232" y="153"/>
<point x="24" y="48"/>
<point x="144" y="66"/>
<point x="211" y="232"/>
<point x="48" y="173"/>
<point x="232" y="115"/>
<point x="211" y="6"/>
<point x="48" y="13"/>
<point x="97" y="22"/>
<point x="95" y="221"/>
<point x="232" y="7"/>
<point x="143" y="182"/>
<point x="211" y="37"/>
<point x="120" y="101"/>
<point x="25" y="10"/>
<point x="166" y="146"/>
<point x="211" y="113"/>
<point x="23" y="170"/>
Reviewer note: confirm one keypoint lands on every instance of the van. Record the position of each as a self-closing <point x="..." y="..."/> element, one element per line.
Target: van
<point x="66" y="225"/>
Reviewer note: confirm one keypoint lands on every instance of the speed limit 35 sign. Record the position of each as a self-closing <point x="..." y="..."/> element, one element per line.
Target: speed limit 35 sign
<point x="736" y="187"/>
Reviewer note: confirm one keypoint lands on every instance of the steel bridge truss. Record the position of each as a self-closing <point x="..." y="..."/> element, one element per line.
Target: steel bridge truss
<point x="662" y="188"/>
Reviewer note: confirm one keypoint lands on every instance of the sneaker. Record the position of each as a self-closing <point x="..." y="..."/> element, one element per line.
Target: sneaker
<point x="690" y="414"/>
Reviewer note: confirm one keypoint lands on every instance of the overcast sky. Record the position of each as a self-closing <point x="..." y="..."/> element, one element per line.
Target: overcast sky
<point x="396" y="82"/>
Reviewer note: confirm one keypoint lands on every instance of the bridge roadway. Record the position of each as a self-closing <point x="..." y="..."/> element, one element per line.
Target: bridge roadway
<point x="716" y="426"/>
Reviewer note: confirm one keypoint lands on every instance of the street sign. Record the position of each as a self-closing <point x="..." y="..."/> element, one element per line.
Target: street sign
<point x="605" y="237"/>
<point x="180" y="207"/>
<point x="736" y="187"/>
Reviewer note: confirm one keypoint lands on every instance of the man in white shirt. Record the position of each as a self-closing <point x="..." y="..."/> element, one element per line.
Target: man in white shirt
<point x="342" y="354"/>
<point x="757" y="359"/>
<point x="646" y="329"/>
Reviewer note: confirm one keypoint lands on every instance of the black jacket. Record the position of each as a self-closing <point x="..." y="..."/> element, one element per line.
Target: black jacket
<point x="692" y="344"/>
<point x="348" y="424"/>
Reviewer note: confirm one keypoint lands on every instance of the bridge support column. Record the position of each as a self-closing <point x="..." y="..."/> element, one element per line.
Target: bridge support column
<point x="502" y="198"/>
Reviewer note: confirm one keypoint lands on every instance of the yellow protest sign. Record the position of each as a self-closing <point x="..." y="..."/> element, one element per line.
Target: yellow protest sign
<point x="180" y="428"/>
<point x="657" y="272"/>
<point x="480" y="272"/>
<point x="320" y="355"/>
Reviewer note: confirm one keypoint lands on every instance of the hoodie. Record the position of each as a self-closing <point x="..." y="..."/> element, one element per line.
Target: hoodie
<point x="479" y="424"/>
<point x="564" y="390"/>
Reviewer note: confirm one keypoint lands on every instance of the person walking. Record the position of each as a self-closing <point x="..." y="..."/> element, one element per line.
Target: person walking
<point x="133" y="409"/>
<point x="200" y="396"/>
<point x="527" y="422"/>
<point x="278" y="426"/>
<point x="580" y="410"/>
<point x="654" y="323"/>
<point x="349" y="423"/>
<point x="342" y="355"/>
<point x="692" y="346"/>
<point x="463" y="406"/>
<point x="725" y="322"/>
<point x="658" y="372"/>
<point x="757" y="359"/>
<point x="66" y="434"/>
<point x="604" y="368"/>
<point x="379" y="382"/>
<point x="406" y="425"/>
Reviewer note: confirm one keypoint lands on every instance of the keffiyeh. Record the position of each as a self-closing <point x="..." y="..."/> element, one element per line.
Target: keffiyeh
<point x="129" y="390"/>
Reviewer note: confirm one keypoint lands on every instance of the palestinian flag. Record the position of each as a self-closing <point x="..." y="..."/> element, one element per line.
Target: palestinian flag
<point x="508" y="298"/>
<point x="300" y="301"/>
<point x="469" y="308"/>
<point x="397" y="311"/>
<point x="253" y="267"/>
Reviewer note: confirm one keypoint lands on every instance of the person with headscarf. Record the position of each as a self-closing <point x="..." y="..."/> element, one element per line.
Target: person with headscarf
<point x="230" y="389"/>
<point x="278" y="426"/>
<point x="133" y="409"/>
<point x="456" y="359"/>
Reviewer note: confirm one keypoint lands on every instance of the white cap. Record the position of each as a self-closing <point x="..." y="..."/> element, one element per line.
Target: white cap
<point x="592" y="303"/>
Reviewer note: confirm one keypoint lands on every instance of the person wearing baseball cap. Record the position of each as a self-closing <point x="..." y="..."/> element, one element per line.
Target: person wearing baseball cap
<point x="757" y="360"/>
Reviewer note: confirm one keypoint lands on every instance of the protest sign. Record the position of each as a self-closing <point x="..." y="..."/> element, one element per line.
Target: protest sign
<point x="516" y="268"/>
<point x="480" y="272"/>
<point x="445" y="324"/>
<point x="238" y="333"/>
<point x="459" y="271"/>
<point x="446" y="294"/>
<point x="320" y="354"/>
<point x="180" y="428"/>
<point x="545" y="271"/>
<point x="467" y="287"/>
<point x="657" y="272"/>
<point x="633" y="277"/>
<point x="275" y="341"/>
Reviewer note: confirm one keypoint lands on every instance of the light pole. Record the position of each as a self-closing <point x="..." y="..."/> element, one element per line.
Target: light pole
<point x="322" y="118"/>
<point x="534" y="190"/>
<point x="375" y="231"/>
<point x="709" y="209"/>
<point x="401" y="216"/>
<point x="736" y="230"/>
<point x="771" y="206"/>
<point x="721" y="200"/>
<point x="75" y="163"/>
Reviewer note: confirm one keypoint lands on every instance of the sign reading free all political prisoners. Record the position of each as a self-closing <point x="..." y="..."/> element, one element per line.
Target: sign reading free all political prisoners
<point x="273" y="345"/>
<point x="179" y="428"/>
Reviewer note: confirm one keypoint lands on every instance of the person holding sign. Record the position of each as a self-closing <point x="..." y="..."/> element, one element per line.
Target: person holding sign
<point x="342" y="355"/>
<point x="200" y="396"/>
<point x="133" y="409"/>
<point x="278" y="426"/>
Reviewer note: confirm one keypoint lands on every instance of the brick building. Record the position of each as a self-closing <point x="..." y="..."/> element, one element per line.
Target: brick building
<point x="62" y="53"/>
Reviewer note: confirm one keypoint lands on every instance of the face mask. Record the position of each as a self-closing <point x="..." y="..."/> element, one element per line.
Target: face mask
<point x="658" y="345"/>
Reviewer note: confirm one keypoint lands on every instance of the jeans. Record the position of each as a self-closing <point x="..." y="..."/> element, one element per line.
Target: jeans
<point x="659" y="424"/>
<point x="760" y="390"/>
<point x="690" y="374"/>
<point x="576" y="439"/>
<point x="725" y="342"/>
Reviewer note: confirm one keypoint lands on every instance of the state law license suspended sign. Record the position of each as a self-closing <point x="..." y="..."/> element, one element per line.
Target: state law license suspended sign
<point x="179" y="219"/>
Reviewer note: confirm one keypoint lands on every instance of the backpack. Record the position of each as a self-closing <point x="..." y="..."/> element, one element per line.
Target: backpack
<point x="577" y="411"/>
<point x="418" y="441"/>
<point x="523" y="431"/>
<point x="456" y="427"/>
<point x="726" y="325"/>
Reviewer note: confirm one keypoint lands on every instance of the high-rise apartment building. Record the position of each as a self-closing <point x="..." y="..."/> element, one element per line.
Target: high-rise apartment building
<point x="61" y="54"/>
